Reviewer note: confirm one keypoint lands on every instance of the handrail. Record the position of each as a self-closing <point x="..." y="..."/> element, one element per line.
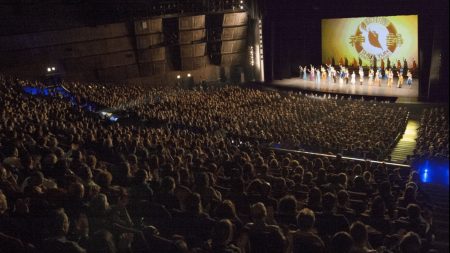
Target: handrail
<point x="344" y="157"/>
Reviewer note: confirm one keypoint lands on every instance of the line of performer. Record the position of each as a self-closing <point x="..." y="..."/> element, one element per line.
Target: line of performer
<point x="343" y="75"/>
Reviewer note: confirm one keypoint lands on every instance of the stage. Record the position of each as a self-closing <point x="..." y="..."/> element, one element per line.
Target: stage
<point x="353" y="89"/>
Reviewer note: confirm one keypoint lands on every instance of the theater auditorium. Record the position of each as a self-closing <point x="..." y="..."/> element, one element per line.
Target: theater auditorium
<point x="224" y="126"/>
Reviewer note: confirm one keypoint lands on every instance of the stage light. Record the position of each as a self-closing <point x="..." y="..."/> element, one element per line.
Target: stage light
<point x="189" y="75"/>
<point x="178" y="76"/>
<point x="53" y="68"/>
<point x="49" y="69"/>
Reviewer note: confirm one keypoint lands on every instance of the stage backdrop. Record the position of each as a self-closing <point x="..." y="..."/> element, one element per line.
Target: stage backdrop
<point x="371" y="40"/>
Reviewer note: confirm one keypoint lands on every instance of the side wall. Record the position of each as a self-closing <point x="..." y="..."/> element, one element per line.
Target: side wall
<point x="141" y="51"/>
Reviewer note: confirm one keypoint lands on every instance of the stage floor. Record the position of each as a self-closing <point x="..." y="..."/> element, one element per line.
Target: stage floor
<point x="356" y="89"/>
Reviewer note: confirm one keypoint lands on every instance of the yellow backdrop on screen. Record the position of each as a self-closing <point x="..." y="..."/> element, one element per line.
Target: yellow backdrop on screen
<point x="337" y="35"/>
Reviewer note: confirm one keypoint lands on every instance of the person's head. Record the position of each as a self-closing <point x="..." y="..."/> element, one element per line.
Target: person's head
<point x="307" y="178"/>
<point x="258" y="212"/>
<point x="99" y="204"/>
<point x="342" y="179"/>
<point x="359" y="232"/>
<point x="414" y="177"/>
<point x="410" y="194"/>
<point x="104" y="179"/>
<point x="85" y="172"/>
<point x="76" y="190"/>
<point x="306" y="219"/>
<point x="342" y="198"/>
<point x="141" y="176"/>
<point x="202" y="180"/>
<point x="328" y="202"/>
<point x="314" y="196"/>
<point x="58" y="223"/>
<point x="288" y="205"/>
<point x="167" y="184"/>
<point x="410" y="243"/>
<point x="341" y="242"/>
<point x="413" y="185"/>
<point x="36" y="179"/>
<point x="265" y="188"/>
<point x="77" y="156"/>
<point x="414" y="211"/>
<point x="91" y="161"/>
<point x="194" y="203"/>
<point x="226" y="209"/>
<point x="222" y="232"/>
<point x="367" y="176"/>
<point x="50" y="160"/>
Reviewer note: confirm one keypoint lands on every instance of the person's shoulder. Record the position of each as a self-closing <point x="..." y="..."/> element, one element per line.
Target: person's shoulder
<point x="273" y="228"/>
<point x="74" y="247"/>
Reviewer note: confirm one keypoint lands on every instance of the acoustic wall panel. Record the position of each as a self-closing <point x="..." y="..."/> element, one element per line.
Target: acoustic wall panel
<point x="118" y="73"/>
<point x="234" y="33"/>
<point x="148" y="26"/>
<point x="153" y="54"/>
<point x="191" y="22"/>
<point x="73" y="50"/>
<point x="43" y="39"/>
<point x="233" y="46"/>
<point x="153" y="68"/>
<point x="193" y="50"/>
<point x="193" y="63"/>
<point x="99" y="61"/>
<point x="190" y="36"/>
<point x="232" y="59"/>
<point x="235" y="19"/>
<point x="149" y="40"/>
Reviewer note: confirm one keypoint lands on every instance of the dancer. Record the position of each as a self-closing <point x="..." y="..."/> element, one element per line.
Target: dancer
<point x="304" y="73"/>
<point x="361" y="75"/>
<point x="318" y="75"/>
<point x="300" y="69"/>
<point x="333" y="74"/>
<point x="377" y="77"/>
<point x="409" y="80"/>
<point x="390" y="77"/>
<point x="353" y="81"/>
<point x="400" y="79"/>
<point x="346" y="75"/>
<point x="380" y="77"/>
<point x="329" y="72"/>
<point x="324" y="72"/>
<point x="371" y="76"/>
<point x="312" y="72"/>
<point x="341" y="75"/>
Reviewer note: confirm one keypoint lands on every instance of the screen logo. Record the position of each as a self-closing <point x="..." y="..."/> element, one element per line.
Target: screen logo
<point x="376" y="37"/>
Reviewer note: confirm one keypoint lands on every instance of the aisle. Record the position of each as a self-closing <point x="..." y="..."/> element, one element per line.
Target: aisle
<point x="407" y="143"/>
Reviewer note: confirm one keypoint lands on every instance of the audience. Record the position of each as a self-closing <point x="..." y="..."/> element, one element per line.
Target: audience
<point x="192" y="172"/>
<point x="433" y="134"/>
